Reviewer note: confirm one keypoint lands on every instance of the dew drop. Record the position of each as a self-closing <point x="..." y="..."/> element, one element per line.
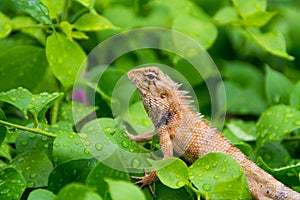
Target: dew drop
<point x="56" y="144"/>
<point x="13" y="99"/>
<point x="225" y="161"/>
<point x="32" y="135"/>
<point x="30" y="184"/>
<point x="216" y="177"/>
<point x="21" y="159"/>
<point x="86" y="151"/>
<point x="124" y="144"/>
<point x="33" y="175"/>
<point x="180" y="184"/>
<point x="206" y="187"/>
<point x="44" y="138"/>
<point x="135" y="162"/>
<point x="87" y="143"/>
<point x="83" y="135"/>
<point x="24" y="142"/>
<point x="207" y="167"/>
<point x="223" y="170"/>
<point x="91" y="128"/>
<point x="46" y="146"/>
<point x="99" y="146"/>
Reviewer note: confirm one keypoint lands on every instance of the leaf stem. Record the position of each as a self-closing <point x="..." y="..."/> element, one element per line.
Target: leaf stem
<point x="34" y="130"/>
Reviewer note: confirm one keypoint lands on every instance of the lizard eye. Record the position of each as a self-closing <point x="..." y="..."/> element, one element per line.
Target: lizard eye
<point x="163" y="95"/>
<point x="150" y="75"/>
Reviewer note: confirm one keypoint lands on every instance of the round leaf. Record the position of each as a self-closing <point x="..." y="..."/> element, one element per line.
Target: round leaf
<point x="172" y="172"/>
<point x="68" y="172"/>
<point x="67" y="145"/>
<point x="124" y="190"/>
<point x="41" y="194"/>
<point x="27" y="141"/>
<point x="219" y="176"/>
<point x="101" y="171"/>
<point x="12" y="184"/>
<point x="76" y="191"/>
<point x="276" y="122"/>
<point x="35" y="167"/>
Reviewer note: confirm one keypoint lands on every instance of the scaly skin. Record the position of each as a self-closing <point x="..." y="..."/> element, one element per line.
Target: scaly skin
<point x="183" y="130"/>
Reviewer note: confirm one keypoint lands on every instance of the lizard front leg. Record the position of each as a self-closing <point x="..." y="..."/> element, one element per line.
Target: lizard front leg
<point x="167" y="149"/>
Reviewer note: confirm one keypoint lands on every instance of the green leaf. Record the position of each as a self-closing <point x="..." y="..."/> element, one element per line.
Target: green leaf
<point x="96" y="178"/>
<point x="276" y="122"/>
<point x="273" y="153"/>
<point x="203" y="32"/>
<point x="12" y="184"/>
<point x="104" y="139"/>
<point x="5" y="25"/>
<point x="40" y="103"/>
<point x="219" y="176"/>
<point x="272" y="42"/>
<point x="245" y="131"/>
<point x="164" y="192"/>
<point x="77" y="191"/>
<point x="245" y="74"/>
<point x="24" y="66"/>
<point x="288" y="175"/>
<point x="226" y="15"/>
<point x="172" y="172"/>
<point x="36" y="9"/>
<point x="20" y="98"/>
<point x="124" y="190"/>
<point x="23" y="24"/>
<point x="250" y="6"/>
<point x="278" y="87"/>
<point x="73" y="112"/>
<point x="37" y="104"/>
<point x="35" y="167"/>
<point x="93" y="22"/>
<point x="27" y="141"/>
<point x="55" y="7"/>
<point x="68" y="172"/>
<point x="66" y="58"/>
<point x="41" y="194"/>
<point x="68" y="145"/>
<point x="295" y="96"/>
<point x="258" y="19"/>
<point x="243" y="100"/>
<point x="5" y="151"/>
<point x="138" y="118"/>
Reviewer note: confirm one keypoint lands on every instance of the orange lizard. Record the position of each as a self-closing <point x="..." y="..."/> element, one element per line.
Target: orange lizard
<point x="183" y="130"/>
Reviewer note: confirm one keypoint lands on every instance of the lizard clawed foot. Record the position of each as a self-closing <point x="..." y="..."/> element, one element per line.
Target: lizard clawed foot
<point x="146" y="180"/>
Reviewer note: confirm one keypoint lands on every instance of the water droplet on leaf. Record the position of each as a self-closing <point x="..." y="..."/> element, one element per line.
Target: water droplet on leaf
<point x="206" y="187"/>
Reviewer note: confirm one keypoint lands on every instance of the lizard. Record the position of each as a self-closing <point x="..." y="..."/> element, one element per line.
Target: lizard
<point x="182" y="129"/>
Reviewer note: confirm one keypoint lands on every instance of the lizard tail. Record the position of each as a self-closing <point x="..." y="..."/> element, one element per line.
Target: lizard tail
<point x="263" y="186"/>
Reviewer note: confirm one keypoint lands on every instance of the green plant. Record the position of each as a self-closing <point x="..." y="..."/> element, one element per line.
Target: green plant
<point x="51" y="148"/>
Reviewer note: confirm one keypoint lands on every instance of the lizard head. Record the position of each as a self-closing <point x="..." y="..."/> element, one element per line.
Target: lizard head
<point x="156" y="90"/>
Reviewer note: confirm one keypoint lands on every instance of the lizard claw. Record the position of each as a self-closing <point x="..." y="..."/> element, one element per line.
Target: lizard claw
<point x="146" y="180"/>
